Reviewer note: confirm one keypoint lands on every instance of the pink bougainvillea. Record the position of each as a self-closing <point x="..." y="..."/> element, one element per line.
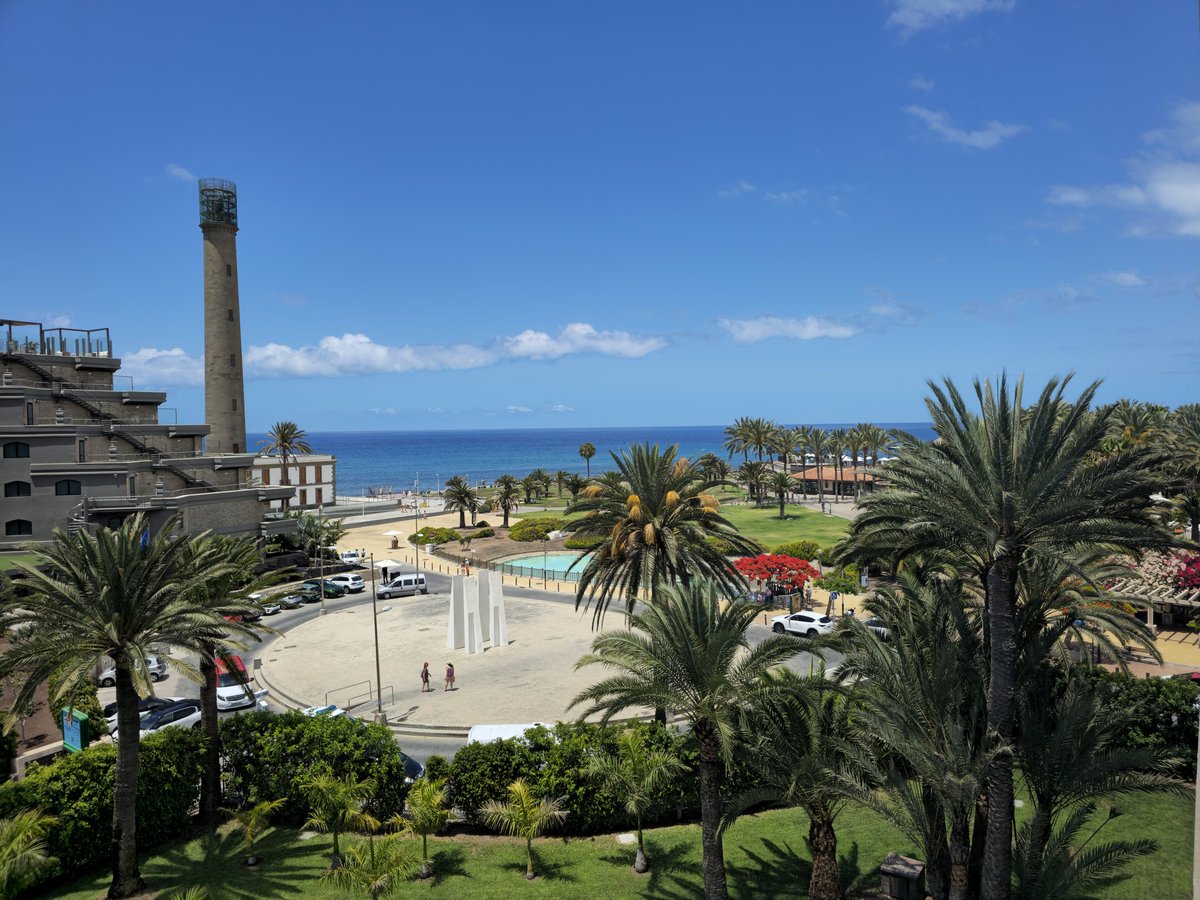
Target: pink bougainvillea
<point x="1187" y="578"/>
<point x="787" y="572"/>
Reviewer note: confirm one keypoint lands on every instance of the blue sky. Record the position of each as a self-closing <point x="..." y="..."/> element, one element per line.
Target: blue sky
<point x="472" y="215"/>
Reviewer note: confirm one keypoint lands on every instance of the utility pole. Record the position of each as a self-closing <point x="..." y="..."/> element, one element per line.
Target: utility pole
<point x="379" y="716"/>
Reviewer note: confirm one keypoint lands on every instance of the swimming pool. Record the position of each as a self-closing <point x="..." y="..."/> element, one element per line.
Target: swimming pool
<point x="552" y="564"/>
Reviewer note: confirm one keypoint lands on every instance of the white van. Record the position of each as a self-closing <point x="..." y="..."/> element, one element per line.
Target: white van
<point x="404" y="586"/>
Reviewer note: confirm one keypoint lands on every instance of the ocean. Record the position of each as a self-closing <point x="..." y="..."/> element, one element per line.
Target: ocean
<point x="422" y="460"/>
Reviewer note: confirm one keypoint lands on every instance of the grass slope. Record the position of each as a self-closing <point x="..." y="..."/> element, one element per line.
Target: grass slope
<point x="765" y="526"/>
<point x="10" y="560"/>
<point x="765" y="855"/>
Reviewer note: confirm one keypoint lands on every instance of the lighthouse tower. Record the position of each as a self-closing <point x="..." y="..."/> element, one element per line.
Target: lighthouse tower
<point x="224" y="393"/>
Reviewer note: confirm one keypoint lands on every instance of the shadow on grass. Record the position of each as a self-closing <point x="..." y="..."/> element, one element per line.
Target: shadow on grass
<point x="672" y="874"/>
<point x="546" y="871"/>
<point x="221" y="871"/>
<point x="448" y="861"/>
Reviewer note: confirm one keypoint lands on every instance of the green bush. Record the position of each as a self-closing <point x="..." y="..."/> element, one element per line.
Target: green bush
<point x="267" y="754"/>
<point x="838" y="581"/>
<point x="808" y="549"/>
<point x="486" y="531"/>
<point x="584" y="543"/>
<point x="482" y="772"/>
<point x="431" y="535"/>
<point x="1164" y="712"/>
<point x="85" y="701"/>
<point x="77" y="789"/>
<point x="437" y="767"/>
<point x="483" y="523"/>
<point x="535" y="529"/>
<point x="721" y="545"/>
<point x="827" y="557"/>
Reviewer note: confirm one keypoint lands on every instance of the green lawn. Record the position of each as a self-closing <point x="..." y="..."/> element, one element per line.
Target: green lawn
<point x="9" y="560"/>
<point x="765" y="856"/>
<point x="765" y="526"/>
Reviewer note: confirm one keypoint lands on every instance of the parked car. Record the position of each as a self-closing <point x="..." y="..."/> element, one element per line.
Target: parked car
<point x="352" y="557"/>
<point x="156" y="667"/>
<point x="180" y="714"/>
<point x="810" y="624"/>
<point x="332" y="588"/>
<point x="412" y="768"/>
<point x="332" y="710"/>
<point x="403" y="586"/>
<point x="145" y="705"/>
<point x="233" y="685"/>
<point x="272" y="608"/>
<point x="351" y="582"/>
<point x="291" y="601"/>
<point x="878" y="626"/>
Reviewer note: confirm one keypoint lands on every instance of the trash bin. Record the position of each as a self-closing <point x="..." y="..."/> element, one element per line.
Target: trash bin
<point x="903" y="877"/>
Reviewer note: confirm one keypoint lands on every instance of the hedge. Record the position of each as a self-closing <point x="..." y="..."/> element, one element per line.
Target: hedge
<point x="77" y="789"/>
<point x="535" y="529"/>
<point x="807" y="549"/>
<point x="584" y="543"/>
<point x="484" y="532"/>
<point x="431" y="535"/>
<point x="267" y="754"/>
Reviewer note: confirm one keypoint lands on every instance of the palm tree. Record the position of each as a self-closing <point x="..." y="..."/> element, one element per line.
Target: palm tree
<point x="1183" y="463"/>
<point x="737" y="439"/>
<point x="575" y="484"/>
<point x="23" y="849"/>
<point x="759" y="434"/>
<point x="633" y="774"/>
<point x="754" y="475"/>
<point x="820" y="444"/>
<point x="373" y="868"/>
<point x="253" y="822"/>
<point x="784" y="443"/>
<point x="838" y="439"/>
<point x="530" y="484"/>
<point x="656" y="515"/>
<point x="508" y="493"/>
<point x="461" y="496"/>
<point x="782" y="484"/>
<point x="335" y="806"/>
<point x="427" y="815"/>
<point x="858" y="439"/>
<point x="587" y="451"/>
<point x="560" y="478"/>
<point x="685" y="654"/>
<point x="524" y="816"/>
<point x="994" y="486"/>
<point x="285" y="440"/>
<point x="542" y="481"/>
<point x="804" y="751"/>
<point x="803" y="440"/>
<point x="105" y="595"/>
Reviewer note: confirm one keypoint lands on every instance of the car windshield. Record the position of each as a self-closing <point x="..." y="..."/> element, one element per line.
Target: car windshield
<point x="227" y="679"/>
<point x="824" y="620"/>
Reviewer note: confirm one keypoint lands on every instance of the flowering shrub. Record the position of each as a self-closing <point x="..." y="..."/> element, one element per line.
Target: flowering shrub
<point x="1188" y="576"/>
<point x="1161" y="569"/>
<point x="786" y="572"/>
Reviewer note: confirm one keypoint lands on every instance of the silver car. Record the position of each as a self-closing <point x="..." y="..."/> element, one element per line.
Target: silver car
<point x="156" y="667"/>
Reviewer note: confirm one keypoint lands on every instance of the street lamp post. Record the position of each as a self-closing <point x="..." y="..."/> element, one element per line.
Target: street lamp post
<point x="379" y="716"/>
<point x="545" y="577"/>
<point x="320" y="559"/>
<point x="417" y="540"/>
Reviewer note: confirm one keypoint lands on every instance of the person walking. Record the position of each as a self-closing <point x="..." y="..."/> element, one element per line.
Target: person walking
<point x="449" y="677"/>
<point x="425" y="685"/>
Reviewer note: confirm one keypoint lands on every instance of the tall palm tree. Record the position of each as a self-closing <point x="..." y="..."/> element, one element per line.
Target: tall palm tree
<point x="507" y="495"/>
<point x="461" y="496"/>
<point x="587" y="451"/>
<point x="857" y="439"/>
<point x="737" y="439"/>
<point x="784" y="443"/>
<point x="821" y="446"/>
<point x="23" y="849"/>
<point x="782" y="484"/>
<point x="754" y="475"/>
<point x="759" y="434"/>
<point x="524" y="816"/>
<point x="285" y="440"/>
<point x="656" y="514"/>
<point x="335" y="806"/>
<point x="575" y="484"/>
<point x="105" y="595"/>
<point x="542" y="479"/>
<point x="803" y="440"/>
<point x="633" y="774"/>
<point x="838" y="440"/>
<point x="685" y="654"/>
<point x="995" y="485"/>
<point x="1183" y="464"/>
<point x="427" y="815"/>
<point x="560" y="478"/>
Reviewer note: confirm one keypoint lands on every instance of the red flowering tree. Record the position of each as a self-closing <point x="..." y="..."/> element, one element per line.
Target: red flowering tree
<point x="785" y="572"/>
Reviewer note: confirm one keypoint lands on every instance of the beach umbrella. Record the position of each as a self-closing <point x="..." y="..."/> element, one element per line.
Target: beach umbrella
<point x="393" y="533"/>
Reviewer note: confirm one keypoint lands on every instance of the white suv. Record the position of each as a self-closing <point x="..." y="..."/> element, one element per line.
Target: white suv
<point x="156" y="667"/>
<point x="352" y="583"/>
<point x="810" y="624"/>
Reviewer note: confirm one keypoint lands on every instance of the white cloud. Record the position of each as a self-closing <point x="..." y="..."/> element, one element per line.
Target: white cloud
<point x="357" y="354"/>
<point x="981" y="139"/>
<point x="518" y="409"/>
<point x="383" y="410"/>
<point x="60" y="321"/>
<point x="1124" y="279"/>
<point x="175" y="170"/>
<point x="738" y="189"/>
<point x="1164" y="187"/>
<point x="761" y="328"/>
<point x="921" y="83"/>
<point x="151" y="367"/>
<point x="912" y="16"/>
<point x="562" y="408"/>
<point x="798" y="197"/>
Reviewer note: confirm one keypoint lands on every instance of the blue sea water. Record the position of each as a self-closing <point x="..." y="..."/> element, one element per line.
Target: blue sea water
<point x="404" y="460"/>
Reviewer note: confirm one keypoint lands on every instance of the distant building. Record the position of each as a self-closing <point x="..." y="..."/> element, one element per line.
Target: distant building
<point x="76" y="452"/>
<point x="834" y="481"/>
<point x="312" y="477"/>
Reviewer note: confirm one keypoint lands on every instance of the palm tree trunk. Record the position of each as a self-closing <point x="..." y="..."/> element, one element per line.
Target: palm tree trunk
<point x="126" y="877"/>
<point x="937" y="859"/>
<point x="210" y="778"/>
<point x="529" y="858"/>
<point x="781" y="495"/>
<point x="825" y="882"/>
<point x="1039" y="836"/>
<point x="960" y="854"/>
<point x="1001" y="611"/>
<point x="462" y="517"/>
<point x="640" y="864"/>
<point x="715" y="885"/>
<point x="978" y="841"/>
<point x="505" y="508"/>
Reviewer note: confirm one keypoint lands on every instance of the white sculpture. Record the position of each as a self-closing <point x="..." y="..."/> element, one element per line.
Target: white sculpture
<point x="497" y="619"/>
<point x="476" y="613"/>
<point x="456" y="626"/>
<point x="474" y="628"/>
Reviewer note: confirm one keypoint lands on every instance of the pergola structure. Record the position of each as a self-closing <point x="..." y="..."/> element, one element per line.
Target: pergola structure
<point x="1157" y="596"/>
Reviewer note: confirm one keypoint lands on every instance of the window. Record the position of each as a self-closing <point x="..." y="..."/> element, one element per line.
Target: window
<point x="83" y="449"/>
<point x="17" y="527"/>
<point x="229" y="270"/>
<point x="28" y="413"/>
<point x="132" y="485"/>
<point x="232" y="360"/>
<point x="230" y="312"/>
<point x="67" y="486"/>
<point x="18" y="489"/>
<point x="237" y="448"/>
<point x="16" y="450"/>
<point x="233" y="402"/>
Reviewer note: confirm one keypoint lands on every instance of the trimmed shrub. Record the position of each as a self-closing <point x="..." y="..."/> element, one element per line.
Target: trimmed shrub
<point x="437" y="767"/>
<point x="838" y="581"/>
<point x="77" y="789"/>
<point x="483" y="523"/>
<point x="808" y="550"/>
<point x="486" y="531"/>
<point x="267" y="754"/>
<point x="431" y="535"/>
<point x="584" y="543"/>
<point x="1164" y="712"/>
<point x="535" y="529"/>
<point x="482" y="772"/>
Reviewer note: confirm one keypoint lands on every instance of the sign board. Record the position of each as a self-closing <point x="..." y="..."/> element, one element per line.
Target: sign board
<point x="75" y="729"/>
<point x="863" y="579"/>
